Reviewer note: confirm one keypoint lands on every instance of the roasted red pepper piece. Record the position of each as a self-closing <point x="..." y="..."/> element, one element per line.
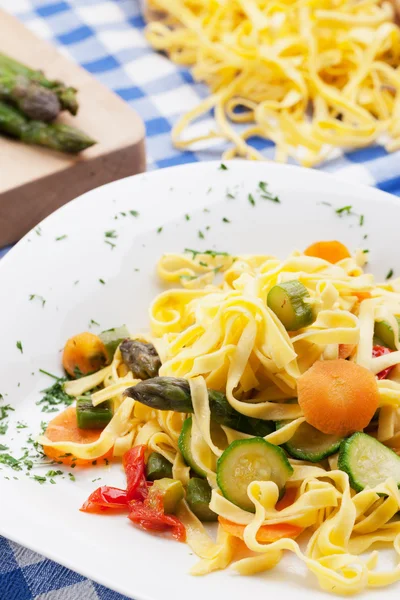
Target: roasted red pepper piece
<point x="380" y="351"/>
<point x="106" y="499"/>
<point x="150" y="516"/>
<point x="135" y="469"/>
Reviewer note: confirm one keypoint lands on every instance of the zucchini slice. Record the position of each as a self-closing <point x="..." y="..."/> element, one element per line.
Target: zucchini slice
<point x="286" y="300"/>
<point x="184" y="444"/>
<point x="158" y="467"/>
<point x="308" y="443"/>
<point x="250" y="460"/>
<point x="92" y="417"/>
<point x="384" y="331"/>
<point x="198" y="496"/>
<point x="367" y="462"/>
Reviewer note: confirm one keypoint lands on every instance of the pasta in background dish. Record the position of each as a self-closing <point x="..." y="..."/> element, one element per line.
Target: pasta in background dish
<point x="247" y="404"/>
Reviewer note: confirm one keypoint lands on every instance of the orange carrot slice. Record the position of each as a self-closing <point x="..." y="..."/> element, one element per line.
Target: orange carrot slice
<point x="287" y="499"/>
<point x="331" y="251"/>
<point x="63" y="428"/>
<point x="84" y="353"/>
<point x="266" y="534"/>
<point x="346" y="350"/>
<point x="338" y="397"/>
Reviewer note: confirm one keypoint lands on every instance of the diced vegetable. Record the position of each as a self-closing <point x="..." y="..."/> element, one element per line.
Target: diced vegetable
<point x="158" y="467"/>
<point x="83" y="354"/>
<point x="134" y="465"/>
<point x="384" y="331"/>
<point x="112" y="338"/>
<point x="331" y="251"/>
<point x="338" y="396"/>
<point x="169" y="490"/>
<point x="64" y="428"/>
<point x="152" y="518"/>
<point x="266" y="534"/>
<point x="250" y="460"/>
<point x="106" y="499"/>
<point x="198" y="496"/>
<point x="184" y="443"/>
<point x="380" y="351"/>
<point x="367" y="462"/>
<point x="140" y="358"/>
<point x="92" y="417"/>
<point x="286" y="300"/>
<point x="310" y="444"/>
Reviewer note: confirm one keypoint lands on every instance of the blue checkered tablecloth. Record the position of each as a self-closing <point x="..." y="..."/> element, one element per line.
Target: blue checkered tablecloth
<point x="106" y="37"/>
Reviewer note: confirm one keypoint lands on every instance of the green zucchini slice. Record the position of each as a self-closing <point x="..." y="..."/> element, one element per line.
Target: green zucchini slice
<point x="286" y="300"/>
<point x="184" y="444"/>
<point x="309" y="443"/>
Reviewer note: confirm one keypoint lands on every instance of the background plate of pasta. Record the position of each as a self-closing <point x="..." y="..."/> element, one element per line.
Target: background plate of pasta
<point x="200" y="385"/>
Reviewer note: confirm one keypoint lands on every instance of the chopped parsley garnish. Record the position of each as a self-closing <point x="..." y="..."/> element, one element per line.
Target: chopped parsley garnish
<point x="365" y="236"/>
<point x="21" y="425"/>
<point x="134" y="213"/>
<point x="93" y="322"/>
<point x="366" y="251"/>
<point x="3" y="448"/>
<point x="78" y="373"/>
<point x="230" y="195"/>
<point x="222" y="167"/>
<point x="187" y="217"/>
<point x="203" y="264"/>
<point x="102" y="281"/>
<point x="39" y="479"/>
<point x="38" y="231"/>
<point x="61" y="237"/>
<point x="209" y="190"/>
<point x="266" y="194"/>
<point x="54" y="396"/>
<point x="36" y="296"/>
<point x="325" y="203"/>
<point x="19" y="346"/>
<point x="4" y="410"/>
<point x="200" y="234"/>
<point x="251" y="199"/>
<point x="361" y="220"/>
<point x="390" y="274"/>
<point x="206" y="210"/>
<point x="111" y="234"/>
<point x="188" y="277"/>
<point x="344" y="210"/>
<point x="53" y="473"/>
<point x="110" y="244"/>
<point x="10" y="461"/>
<point x="3" y="429"/>
<point x="136" y="270"/>
<point x="212" y="253"/>
<point x="96" y="479"/>
<point x="159" y="230"/>
<point x="225" y="220"/>
<point x="76" y="282"/>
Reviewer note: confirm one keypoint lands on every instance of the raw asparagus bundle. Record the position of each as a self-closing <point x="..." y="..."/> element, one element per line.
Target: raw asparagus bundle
<point x="34" y="100"/>
<point x="51" y="135"/>
<point x="171" y="393"/>
<point x="66" y="95"/>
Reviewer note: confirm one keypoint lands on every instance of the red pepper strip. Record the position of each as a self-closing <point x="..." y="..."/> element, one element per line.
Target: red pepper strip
<point x="150" y="516"/>
<point x="380" y="351"/>
<point x="135" y="467"/>
<point x="106" y="499"/>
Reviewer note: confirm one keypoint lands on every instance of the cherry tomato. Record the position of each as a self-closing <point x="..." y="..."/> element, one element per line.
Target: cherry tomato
<point x="106" y="498"/>
<point x="380" y="351"/>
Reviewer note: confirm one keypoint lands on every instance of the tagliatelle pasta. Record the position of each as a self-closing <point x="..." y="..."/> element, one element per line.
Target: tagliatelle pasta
<point x="310" y="76"/>
<point x="220" y="333"/>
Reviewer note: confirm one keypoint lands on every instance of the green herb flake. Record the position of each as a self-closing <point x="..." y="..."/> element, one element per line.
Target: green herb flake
<point x="159" y="230"/>
<point x="222" y="167"/>
<point x="200" y="234"/>
<point x="209" y="190"/>
<point x="361" y="220"/>
<point x="110" y="244"/>
<point x="390" y="274"/>
<point x="266" y="194"/>
<point x="10" y="461"/>
<point x="344" y="210"/>
<point x="4" y="410"/>
<point x="38" y="231"/>
<point x="251" y="199"/>
<point x="187" y="217"/>
<point x="203" y="264"/>
<point x="225" y="220"/>
<point x="365" y="236"/>
<point x="21" y="425"/>
<point x="3" y="448"/>
<point x="111" y="234"/>
<point x="134" y="213"/>
<point x="366" y="251"/>
<point x="212" y="253"/>
<point x="3" y="429"/>
<point x="53" y="473"/>
<point x="54" y="397"/>
<point x="19" y="346"/>
<point x="93" y="322"/>
<point x="188" y="277"/>
<point x="61" y="237"/>
<point x="39" y="479"/>
<point x="325" y="203"/>
<point x="96" y="479"/>
<point x="102" y="281"/>
<point x="37" y="297"/>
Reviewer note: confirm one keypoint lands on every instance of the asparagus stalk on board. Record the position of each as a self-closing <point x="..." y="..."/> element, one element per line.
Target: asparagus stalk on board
<point x="35" y="101"/>
<point x="51" y="135"/>
<point x="65" y="94"/>
<point x="171" y="393"/>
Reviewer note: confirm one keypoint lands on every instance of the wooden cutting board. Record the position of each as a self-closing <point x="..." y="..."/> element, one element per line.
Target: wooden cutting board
<point x="35" y="181"/>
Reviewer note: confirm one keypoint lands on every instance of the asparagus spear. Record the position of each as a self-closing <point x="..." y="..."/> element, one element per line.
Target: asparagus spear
<point x="35" y="101"/>
<point x="66" y="95"/>
<point x="171" y="393"/>
<point x="51" y="135"/>
<point x="140" y="358"/>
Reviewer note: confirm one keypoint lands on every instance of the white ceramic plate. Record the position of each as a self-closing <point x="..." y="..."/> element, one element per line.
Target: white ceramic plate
<point x="46" y="517"/>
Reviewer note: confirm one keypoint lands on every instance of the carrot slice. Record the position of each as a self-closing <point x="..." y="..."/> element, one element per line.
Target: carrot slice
<point x="63" y="428"/>
<point x="266" y="534"/>
<point x="287" y="499"/>
<point x="84" y="353"/>
<point x="338" y="397"/>
<point x="346" y="350"/>
<point x="331" y="251"/>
